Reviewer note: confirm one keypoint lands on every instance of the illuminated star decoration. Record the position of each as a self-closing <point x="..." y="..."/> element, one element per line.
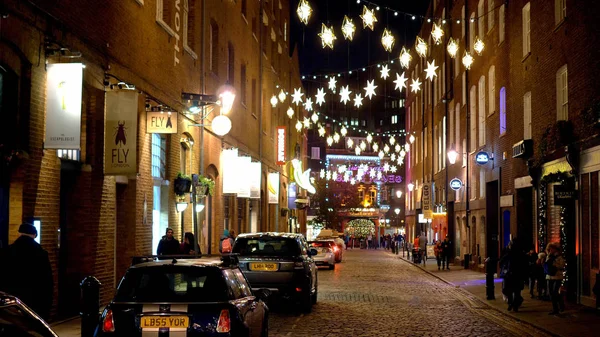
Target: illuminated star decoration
<point x="297" y="96"/>
<point x="322" y="132"/>
<point x="369" y="138"/>
<point x="273" y="101"/>
<point x="306" y="123"/>
<point x="375" y="147"/>
<point x="385" y="72"/>
<point x="332" y="83"/>
<point x="329" y="141"/>
<point x="314" y="118"/>
<point x="421" y="47"/>
<point x="304" y="11"/>
<point x="370" y="89"/>
<point x="348" y="28"/>
<point x="308" y="104"/>
<point x="336" y="137"/>
<point x="327" y="36"/>
<point x="393" y="169"/>
<point x="345" y="93"/>
<point x="320" y="96"/>
<point x="452" y="47"/>
<point x="298" y="125"/>
<point x="368" y="17"/>
<point x="387" y="40"/>
<point x="386" y="167"/>
<point x="437" y="33"/>
<point x="405" y="58"/>
<point x="415" y="85"/>
<point x="479" y="45"/>
<point x="467" y="60"/>
<point x="431" y="68"/>
<point x="358" y="100"/>
<point x="400" y="82"/>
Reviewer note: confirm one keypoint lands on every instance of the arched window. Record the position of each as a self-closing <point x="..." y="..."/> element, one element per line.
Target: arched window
<point x="502" y="110"/>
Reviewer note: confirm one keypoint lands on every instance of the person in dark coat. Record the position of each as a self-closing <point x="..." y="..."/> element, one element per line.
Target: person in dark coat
<point x="27" y="273"/>
<point x="168" y="245"/>
<point x="514" y="266"/>
<point x="446" y="252"/>
<point x="189" y="245"/>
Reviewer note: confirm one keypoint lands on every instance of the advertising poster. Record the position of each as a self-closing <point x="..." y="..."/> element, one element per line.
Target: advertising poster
<point x="120" y="135"/>
<point x="229" y="162"/>
<point x="64" y="84"/>
<point x="273" y="187"/>
<point x="254" y="175"/>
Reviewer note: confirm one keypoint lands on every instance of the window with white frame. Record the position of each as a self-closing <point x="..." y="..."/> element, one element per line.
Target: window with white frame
<point x="562" y="94"/>
<point x="457" y="125"/>
<point x="464" y="87"/>
<point x="501" y="24"/>
<point x="451" y="126"/>
<point x="527" y="116"/>
<point x="443" y="94"/>
<point x="481" y="111"/>
<point x="502" y="110"/>
<point x="473" y="112"/>
<point x="395" y="119"/>
<point x="490" y="14"/>
<point x="481" y="19"/>
<point x="472" y="31"/>
<point x="164" y="16"/>
<point x="435" y="152"/>
<point x="159" y="156"/>
<point x="492" y="90"/>
<point x="560" y="11"/>
<point x="481" y="183"/>
<point x="526" y="29"/>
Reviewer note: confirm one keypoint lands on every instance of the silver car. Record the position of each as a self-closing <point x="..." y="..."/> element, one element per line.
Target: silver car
<point x="325" y="254"/>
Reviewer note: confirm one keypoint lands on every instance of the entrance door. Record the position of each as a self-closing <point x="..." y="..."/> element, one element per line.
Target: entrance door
<point x="8" y="115"/>
<point x="525" y="217"/>
<point x="505" y="228"/>
<point x="492" y="204"/>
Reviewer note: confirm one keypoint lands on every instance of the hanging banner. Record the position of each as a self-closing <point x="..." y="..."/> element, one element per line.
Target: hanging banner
<point x="243" y="168"/>
<point x="273" y="187"/>
<point x="254" y="176"/>
<point x="281" y="145"/>
<point x="229" y="162"/>
<point x="426" y="202"/>
<point x="64" y="83"/>
<point x="161" y="122"/>
<point x="120" y="135"/>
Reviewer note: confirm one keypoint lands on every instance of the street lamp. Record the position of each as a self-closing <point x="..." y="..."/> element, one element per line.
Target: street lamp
<point x="397" y="211"/>
<point x="398" y="194"/>
<point x="410" y="186"/>
<point x="452" y="156"/>
<point x="181" y="206"/>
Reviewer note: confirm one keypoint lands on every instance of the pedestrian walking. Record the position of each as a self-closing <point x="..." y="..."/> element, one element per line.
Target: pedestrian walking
<point x="226" y="243"/>
<point x="513" y="267"/>
<point x="553" y="268"/>
<point x="232" y="234"/>
<point x="446" y="252"/>
<point x="532" y="258"/>
<point x="542" y="285"/>
<point x="369" y="240"/>
<point x="189" y="246"/>
<point x="168" y="245"/>
<point x="437" y="249"/>
<point x="423" y="247"/>
<point x="27" y="273"/>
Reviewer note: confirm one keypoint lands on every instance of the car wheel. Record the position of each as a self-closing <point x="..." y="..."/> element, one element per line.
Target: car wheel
<point x="307" y="302"/>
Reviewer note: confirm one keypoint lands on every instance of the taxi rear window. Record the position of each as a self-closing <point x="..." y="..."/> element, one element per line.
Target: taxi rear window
<point x="266" y="245"/>
<point x="172" y="284"/>
<point x="321" y="244"/>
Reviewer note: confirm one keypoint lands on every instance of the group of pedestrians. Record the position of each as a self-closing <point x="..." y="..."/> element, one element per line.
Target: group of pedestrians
<point x="544" y="270"/>
<point x="169" y="245"/>
<point x="442" y="253"/>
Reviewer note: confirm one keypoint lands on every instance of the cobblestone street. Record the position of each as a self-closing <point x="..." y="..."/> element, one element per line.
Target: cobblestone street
<point x="372" y="293"/>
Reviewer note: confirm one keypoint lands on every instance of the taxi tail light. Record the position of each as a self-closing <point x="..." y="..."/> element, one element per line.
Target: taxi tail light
<point x="224" y="324"/>
<point x="336" y="248"/>
<point x="108" y="324"/>
<point x="299" y="290"/>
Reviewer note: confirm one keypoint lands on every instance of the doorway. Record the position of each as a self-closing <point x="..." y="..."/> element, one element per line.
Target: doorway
<point x="525" y="217"/>
<point x="8" y="114"/>
<point x="492" y="204"/>
<point x="505" y="228"/>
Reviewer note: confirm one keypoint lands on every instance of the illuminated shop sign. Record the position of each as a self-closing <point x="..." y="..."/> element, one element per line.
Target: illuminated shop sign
<point x="456" y="184"/>
<point x="281" y="145"/>
<point x="161" y="122"/>
<point x="482" y="158"/>
<point x="63" y="105"/>
<point x="120" y="135"/>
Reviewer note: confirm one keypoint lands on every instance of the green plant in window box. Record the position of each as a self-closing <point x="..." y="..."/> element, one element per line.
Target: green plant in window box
<point x="205" y="186"/>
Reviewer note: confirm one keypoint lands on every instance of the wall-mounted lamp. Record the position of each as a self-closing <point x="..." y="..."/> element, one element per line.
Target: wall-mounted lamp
<point x="181" y="206"/>
<point x="199" y="208"/>
<point x="398" y="194"/>
<point x="411" y="187"/>
<point x="397" y="211"/>
<point x="452" y="156"/>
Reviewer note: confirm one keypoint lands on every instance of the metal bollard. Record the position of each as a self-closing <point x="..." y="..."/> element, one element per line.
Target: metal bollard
<point x="467" y="260"/>
<point x="490" y="269"/>
<point x="90" y="304"/>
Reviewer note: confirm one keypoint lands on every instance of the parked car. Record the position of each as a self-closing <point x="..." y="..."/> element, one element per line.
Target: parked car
<point x="280" y="262"/>
<point x="18" y="320"/>
<point x="206" y="296"/>
<point x="328" y="234"/>
<point x="325" y="253"/>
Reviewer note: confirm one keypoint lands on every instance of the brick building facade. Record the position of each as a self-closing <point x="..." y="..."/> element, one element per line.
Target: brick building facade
<point x="93" y="223"/>
<point x="529" y="102"/>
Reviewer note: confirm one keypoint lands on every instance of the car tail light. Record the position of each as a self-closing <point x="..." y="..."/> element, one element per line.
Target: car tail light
<point x="108" y="324"/>
<point x="299" y="290"/>
<point x="224" y="324"/>
<point x="336" y="248"/>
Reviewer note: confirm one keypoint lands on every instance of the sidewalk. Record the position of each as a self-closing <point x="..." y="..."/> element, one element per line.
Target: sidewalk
<point x="68" y="328"/>
<point x="577" y="320"/>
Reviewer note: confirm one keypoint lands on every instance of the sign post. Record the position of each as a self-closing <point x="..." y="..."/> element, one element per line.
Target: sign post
<point x="426" y="201"/>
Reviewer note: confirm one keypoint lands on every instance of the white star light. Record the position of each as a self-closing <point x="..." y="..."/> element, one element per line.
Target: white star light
<point x="273" y="101"/>
<point x="479" y="45"/>
<point x="308" y="104"/>
<point x="372" y="173"/>
<point x="357" y="151"/>
<point x="437" y="33"/>
<point x="290" y="112"/>
<point x="415" y="85"/>
<point x="336" y="137"/>
<point x="328" y="175"/>
<point x="352" y="181"/>
<point x="327" y="36"/>
<point x="314" y="118"/>
<point x="320" y="97"/>
<point x="298" y="125"/>
<point x="350" y="142"/>
<point x="431" y="68"/>
<point x="345" y="94"/>
<point x="343" y="131"/>
<point x="369" y="138"/>
<point x="467" y="60"/>
<point x="385" y="72"/>
<point x="306" y="123"/>
<point x="368" y="17"/>
<point x="329" y="141"/>
<point x="348" y="28"/>
<point x="379" y="175"/>
<point x="393" y="169"/>
<point x="358" y="100"/>
<point x="400" y="81"/>
<point x="397" y="148"/>
<point x="297" y="96"/>
<point x="375" y="147"/>
<point x="387" y="40"/>
<point x="386" y="167"/>
<point x="386" y="148"/>
<point x="334" y="176"/>
<point x="363" y="145"/>
<point x="392" y="140"/>
<point x="381" y="154"/>
<point x="370" y="89"/>
<point x="405" y="58"/>
<point x="322" y="173"/>
<point x="332" y="82"/>
<point x="304" y="11"/>
<point x="421" y="47"/>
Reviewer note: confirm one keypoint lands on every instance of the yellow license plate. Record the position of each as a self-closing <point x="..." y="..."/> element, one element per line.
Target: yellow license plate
<point x="263" y="266"/>
<point x="164" y="322"/>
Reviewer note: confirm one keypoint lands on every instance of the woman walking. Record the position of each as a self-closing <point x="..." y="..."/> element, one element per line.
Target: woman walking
<point x="553" y="268"/>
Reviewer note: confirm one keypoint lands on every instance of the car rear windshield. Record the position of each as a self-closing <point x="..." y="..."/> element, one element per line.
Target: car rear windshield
<point x="266" y="245"/>
<point x="172" y="284"/>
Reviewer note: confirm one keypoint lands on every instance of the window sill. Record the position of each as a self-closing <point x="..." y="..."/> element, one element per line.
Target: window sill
<point x="526" y="57"/>
<point x="254" y="115"/>
<point x="191" y="52"/>
<point x="244" y="18"/>
<point x="166" y="27"/>
<point x="560" y="24"/>
<point x="502" y="134"/>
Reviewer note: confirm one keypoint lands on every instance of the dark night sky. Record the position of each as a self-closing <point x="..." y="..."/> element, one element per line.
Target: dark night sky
<point x="366" y="47"/>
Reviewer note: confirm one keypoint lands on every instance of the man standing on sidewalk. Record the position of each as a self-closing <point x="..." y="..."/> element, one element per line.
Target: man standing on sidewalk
<point x="446" y="253"/>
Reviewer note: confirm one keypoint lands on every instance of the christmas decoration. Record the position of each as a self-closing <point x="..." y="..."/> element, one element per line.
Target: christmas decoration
<point x="392" y="140"/>
<point x="369" y="138"/>
<point x="308" y="104"/>
<point x="336" y="137"/>
<point x="393" y="169"/>
<point x="273" y="101"/>
<point x="381" y="154"/>
<point x="370" y="89"/>
<point x="320" y="97"/>
<point x="400" y="81"/>
<point x="411" y="139"/>
<point x="322" y="173"/>
<point x="405" y="58"/>
<point x="452" y="47"/>
<point x="345" y="94"/>
<point x="363" y="145"/>
<point x="329" y="141"/>
<point x="314" y="117"/>
<point x="386" y="148"/>
<point x="385" y="72"/>
<point x="322" y="131"/>
<point x="350" y="142"/>
<point x="327" y="36"/>
<point x="343" y="131"/>
<point x="332" y="82"/>
<point x="387" y="40"/>
<point x="368" y="17"/>
<point x="348" y="28"/>
<point x="306" y="123"/>
<point x="358" y="100"/>
<point x="290" y="112"/>
<point x="357" y="151"/>
<point x="437" y="33"/>
<point x="298" y="125"/>
<point x="375" y="147"/>
<point x="467" y="60"/>
<point x="415" y="85"/>
<point x="421" y="47"/>
<point x="297" y="96"/>
<point x="282" y="96"/>
<point x="431" y="68"/>
<point x="478" y="46"/>
<point x="304" y="11"/>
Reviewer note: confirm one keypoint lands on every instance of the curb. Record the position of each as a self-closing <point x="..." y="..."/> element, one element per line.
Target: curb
<point x="478" y="299"/>
<point x="63" y="321"/>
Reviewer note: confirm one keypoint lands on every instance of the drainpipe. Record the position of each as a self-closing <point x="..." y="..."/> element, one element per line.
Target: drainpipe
<point x="260" y="107"/>
<point x="203" y="90"/>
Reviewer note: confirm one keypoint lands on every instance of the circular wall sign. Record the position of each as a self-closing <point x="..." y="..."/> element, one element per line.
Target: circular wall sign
<point x="482" y="158"/>
<point x="456" y="184"/>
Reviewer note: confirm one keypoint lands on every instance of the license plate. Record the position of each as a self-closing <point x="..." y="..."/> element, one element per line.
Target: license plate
<point x="164" y="322"/>
<point x="263" y="266"/>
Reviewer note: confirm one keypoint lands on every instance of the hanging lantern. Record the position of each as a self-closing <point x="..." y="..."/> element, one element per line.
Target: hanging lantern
<point x="375" y="147"/>
<point x="327" y="36"/>
<point x="467" y="60"/>
<point x="386" y="148"/>
<point x="273" y="101"/>
<point x="381" y="154"/>
<point x="304" y="11"/>
<point x="368" y="17"/>
<point x="363" y="145"/>
<point x="369" y="138"/>
<point x="479" y="45"/>
<point x="350" y="142"/>
<point x="306" y="123"/>
<point x="322" y="174"/>
<point x="397" y="147"/>
<point x="321" y="131"/>
<point x="437" y="33"/>
<point x="392" y="140"/>
<point x="421" y="47"/>
<point x="452" y="47"/>
<point x="357" y="151"/>
<point x="411" y="139"/>
<point x="314" y="117"/>
<point x="282" y="96"/>
<point x="405" y="58"/>
<point x="336" y="137"/>
<point x="298" y="125"/>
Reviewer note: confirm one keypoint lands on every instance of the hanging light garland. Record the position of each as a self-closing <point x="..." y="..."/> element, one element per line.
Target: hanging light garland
<point x="320" y="96"/>
<point x="387" y="40"/>
<point x="348" y="28"/>
<point x="368" y="17"/>
<point x="452" y="47"/>
<point x="327" y="36"/>
<point x="304" y="11"/>
<point x="421" y="47"/>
